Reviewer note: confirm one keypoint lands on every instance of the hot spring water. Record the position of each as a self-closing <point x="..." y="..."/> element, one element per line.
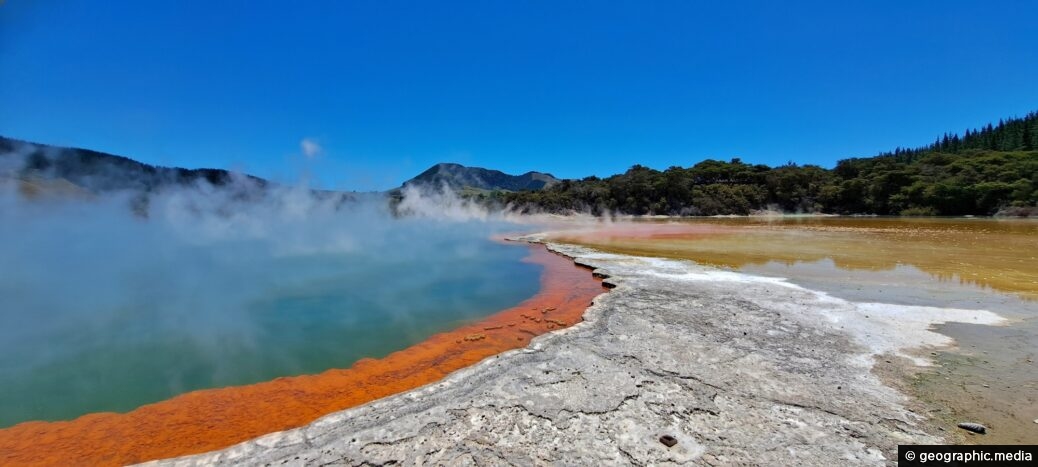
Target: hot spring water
<point x="106" y="311"/>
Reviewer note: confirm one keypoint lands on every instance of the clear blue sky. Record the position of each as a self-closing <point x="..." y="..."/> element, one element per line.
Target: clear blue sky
<point x="385" y="89"/>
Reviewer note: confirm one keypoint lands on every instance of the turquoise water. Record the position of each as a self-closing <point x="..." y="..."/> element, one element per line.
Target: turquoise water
<point x="106" y="312"/>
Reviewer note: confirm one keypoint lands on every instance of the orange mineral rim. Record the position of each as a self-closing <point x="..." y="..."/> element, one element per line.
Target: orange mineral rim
<point x="211" y="419"/>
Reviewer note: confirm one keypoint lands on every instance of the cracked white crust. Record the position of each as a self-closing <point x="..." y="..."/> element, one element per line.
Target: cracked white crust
<point x="738" y="371"/>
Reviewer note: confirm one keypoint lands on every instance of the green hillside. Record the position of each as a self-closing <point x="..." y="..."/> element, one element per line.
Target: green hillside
<point x="980" y="172"/>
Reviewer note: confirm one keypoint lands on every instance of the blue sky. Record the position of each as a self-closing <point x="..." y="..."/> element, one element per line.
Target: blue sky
<point x="384" y="89"/>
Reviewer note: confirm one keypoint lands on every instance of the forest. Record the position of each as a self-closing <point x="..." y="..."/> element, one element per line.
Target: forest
<point x="987" y="171"/>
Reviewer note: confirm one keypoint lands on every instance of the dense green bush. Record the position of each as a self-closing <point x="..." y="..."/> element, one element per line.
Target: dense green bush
<point x="980" y="173"/>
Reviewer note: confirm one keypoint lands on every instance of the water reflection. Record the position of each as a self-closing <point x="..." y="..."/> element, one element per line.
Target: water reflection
<point x="997" y="254"/>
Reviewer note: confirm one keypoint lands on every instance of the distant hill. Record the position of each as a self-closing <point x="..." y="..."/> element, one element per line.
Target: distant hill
<point x="461" y="178"/>
<point x="46" y="169"/>
<point x="985" y="171"/>
<point x="96" y="172"/>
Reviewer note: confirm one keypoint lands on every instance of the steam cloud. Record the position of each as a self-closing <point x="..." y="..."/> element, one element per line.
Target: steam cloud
<point x="310" y="148"/>
<point x="118" y="298"/>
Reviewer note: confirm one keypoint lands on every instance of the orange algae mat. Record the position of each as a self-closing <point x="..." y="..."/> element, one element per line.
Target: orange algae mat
<point x="212" y="419"/>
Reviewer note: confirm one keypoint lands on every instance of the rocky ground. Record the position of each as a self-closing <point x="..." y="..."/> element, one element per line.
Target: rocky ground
<point x="679" y="364"/>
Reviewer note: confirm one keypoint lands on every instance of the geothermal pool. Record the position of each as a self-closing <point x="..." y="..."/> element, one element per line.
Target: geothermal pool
<point x="107" y="311"/>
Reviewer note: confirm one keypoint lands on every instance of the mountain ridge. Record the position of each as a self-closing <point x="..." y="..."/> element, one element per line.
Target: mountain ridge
<point x="98" y="172"/>
<point x="460" y="177"/>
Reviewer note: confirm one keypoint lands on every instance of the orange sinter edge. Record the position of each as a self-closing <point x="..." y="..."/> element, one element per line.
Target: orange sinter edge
<point x="211" y="419"/>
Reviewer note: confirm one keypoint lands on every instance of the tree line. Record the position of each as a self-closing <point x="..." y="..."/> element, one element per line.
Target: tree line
<point x="981" y="172"/>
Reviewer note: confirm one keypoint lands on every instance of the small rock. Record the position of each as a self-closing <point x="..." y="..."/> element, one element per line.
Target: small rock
<point x="668" y="440"/>
<point x="974" y="427"/>
<point x="1036" y="421"/>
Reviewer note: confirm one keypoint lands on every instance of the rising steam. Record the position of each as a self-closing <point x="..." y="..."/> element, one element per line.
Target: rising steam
<point x="115" y="297"/>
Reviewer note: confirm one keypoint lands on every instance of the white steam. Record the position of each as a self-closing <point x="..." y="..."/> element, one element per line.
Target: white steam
<point x="180" y="287"/>
<point x="310" y="148"/>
